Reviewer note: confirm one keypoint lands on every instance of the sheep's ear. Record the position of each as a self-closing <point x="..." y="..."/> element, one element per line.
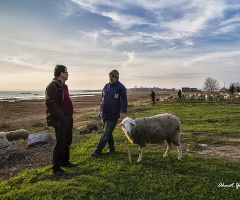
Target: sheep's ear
<point x="133" y="122"/>
<point x="120" y="125"/>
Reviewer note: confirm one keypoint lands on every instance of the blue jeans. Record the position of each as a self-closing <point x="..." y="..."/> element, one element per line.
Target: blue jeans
<point x="107" y="136"/>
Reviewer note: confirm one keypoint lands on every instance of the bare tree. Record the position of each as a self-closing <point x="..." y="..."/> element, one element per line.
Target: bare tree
<point x="210" y="84"/>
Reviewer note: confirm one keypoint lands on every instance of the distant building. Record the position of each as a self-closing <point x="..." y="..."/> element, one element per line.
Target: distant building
<point x="223" y="89"/>
<point x="237" y="84"/>
<point x="144" y="89"/>
<point x="188" y="89"/>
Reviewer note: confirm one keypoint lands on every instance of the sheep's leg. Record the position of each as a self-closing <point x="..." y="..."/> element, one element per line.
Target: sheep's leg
<point x="167" y="150"/>
<point x="140" y="154"/>
<point x="179" y="148"/>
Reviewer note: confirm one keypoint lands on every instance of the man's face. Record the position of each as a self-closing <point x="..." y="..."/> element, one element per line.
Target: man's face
<point x="65" y="74"/>
<point x="112" y="79"/>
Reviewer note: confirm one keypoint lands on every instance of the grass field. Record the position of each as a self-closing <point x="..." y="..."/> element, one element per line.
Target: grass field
<point x="113" y="177"/>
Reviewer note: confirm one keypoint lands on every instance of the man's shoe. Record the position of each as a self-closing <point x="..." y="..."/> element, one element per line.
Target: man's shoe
<point x="110" y="152"/>
<point x="71" y="165"/>
<point x="94" y="154"/>
<point x="68" y="164"/>
<point x="58" y="171"/>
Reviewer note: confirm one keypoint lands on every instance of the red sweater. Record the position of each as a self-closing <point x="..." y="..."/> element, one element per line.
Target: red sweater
<point x="67" y="106"/>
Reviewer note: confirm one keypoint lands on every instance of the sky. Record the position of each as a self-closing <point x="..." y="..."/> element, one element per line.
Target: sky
<point x="152" y="43"/>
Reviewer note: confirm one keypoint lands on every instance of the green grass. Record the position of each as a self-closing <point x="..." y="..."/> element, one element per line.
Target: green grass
<point x="113" y="177"/>
<point x="198" y="116"/>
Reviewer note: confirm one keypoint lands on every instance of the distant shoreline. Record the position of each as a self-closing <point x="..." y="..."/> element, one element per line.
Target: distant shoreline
<point x="14" y="96"/>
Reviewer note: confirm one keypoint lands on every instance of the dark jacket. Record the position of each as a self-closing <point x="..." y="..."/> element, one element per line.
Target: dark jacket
<point x="54" y="99"/>
<point x="114" y="101"/>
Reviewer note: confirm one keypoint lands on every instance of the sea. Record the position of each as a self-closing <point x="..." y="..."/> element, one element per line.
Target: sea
<point x="12" y="96"/>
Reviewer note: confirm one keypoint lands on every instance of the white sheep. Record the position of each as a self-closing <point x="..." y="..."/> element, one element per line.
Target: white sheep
<point x="2" y="134"/>
<point x="206" y="97"/>
<point x="153" y="130"/>
<point x="16" y="135"/>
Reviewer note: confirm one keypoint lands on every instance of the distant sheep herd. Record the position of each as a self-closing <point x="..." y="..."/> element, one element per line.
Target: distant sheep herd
<point x="202" y="96"/>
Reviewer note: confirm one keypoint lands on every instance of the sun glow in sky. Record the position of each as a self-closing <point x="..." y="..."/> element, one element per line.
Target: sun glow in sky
<point x="152" y="43"/>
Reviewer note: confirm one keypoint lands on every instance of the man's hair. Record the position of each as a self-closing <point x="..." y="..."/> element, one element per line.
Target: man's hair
<point x="58" y="69"/>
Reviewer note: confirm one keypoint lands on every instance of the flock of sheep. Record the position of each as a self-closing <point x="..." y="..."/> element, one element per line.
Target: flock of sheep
<point x="203" y="96"/>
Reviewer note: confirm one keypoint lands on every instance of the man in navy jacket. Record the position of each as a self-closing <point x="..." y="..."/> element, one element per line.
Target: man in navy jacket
<point x="113" y="106"/>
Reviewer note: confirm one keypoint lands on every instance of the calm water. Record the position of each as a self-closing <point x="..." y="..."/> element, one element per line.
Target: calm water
<point x="12" y="96"/>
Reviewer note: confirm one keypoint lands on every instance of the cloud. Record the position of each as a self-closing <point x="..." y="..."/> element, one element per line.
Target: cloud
<point x="67" y="9"/>
<point x="193" y="19"/>
<point x="228" y="26"/>
<point x="124" y="21"/>
<point x="163" y="21"/>
<point x="130" y="59"/>
<point x="23" y="63"/>
<point x="221" y="57"/>
<point x="90" y="36"/>
<point x="123" y="40"/>
<point x="142" y="38"/>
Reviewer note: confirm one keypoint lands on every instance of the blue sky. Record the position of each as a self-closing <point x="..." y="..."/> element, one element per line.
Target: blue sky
<point x="152" y="43"/>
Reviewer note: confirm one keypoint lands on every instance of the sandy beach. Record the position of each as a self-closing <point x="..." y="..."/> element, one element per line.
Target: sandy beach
<point x="30" y="115"/>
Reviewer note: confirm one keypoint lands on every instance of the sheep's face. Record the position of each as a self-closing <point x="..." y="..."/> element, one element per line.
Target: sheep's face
<point x="127" y="124"/>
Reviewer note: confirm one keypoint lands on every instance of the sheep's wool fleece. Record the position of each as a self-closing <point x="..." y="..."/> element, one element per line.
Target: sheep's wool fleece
<point x="156" y="129"/>
<point x="16" y="135"/>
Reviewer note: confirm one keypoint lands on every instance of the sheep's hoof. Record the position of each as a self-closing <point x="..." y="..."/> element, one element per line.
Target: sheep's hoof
<point x="138" y="161"/>
<point x="165" y="155"/>
<point x="179" y="160"/>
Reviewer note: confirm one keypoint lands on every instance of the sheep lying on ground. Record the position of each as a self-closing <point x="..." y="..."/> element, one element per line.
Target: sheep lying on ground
<point x="16" y="135"/>
<point x="154" y="130"/>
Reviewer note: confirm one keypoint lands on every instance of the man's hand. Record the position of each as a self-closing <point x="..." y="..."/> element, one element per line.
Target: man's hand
<point x="123" y="115"/>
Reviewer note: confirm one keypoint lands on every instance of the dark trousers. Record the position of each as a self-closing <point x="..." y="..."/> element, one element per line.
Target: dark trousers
<point x="107" y="136"/>
<point x="153" y="102"/>
<point x="64" y="140"/>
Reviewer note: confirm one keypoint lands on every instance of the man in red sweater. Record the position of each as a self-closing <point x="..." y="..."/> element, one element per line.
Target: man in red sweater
<point x="59" y="110"/>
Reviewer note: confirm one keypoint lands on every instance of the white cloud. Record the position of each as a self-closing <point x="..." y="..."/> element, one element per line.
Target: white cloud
<point x="192" y="16"/>
<point x="168" y="41"/>
<point x="124" y="21"/>
<point x="235" y="19"/>
<point x="222" y="58"/>
<point x="228" y="25"/>
<point x="93" y="5"/>
<point x="23" y="62"/>
<point x="67" y="9"/>
<point x="194" y="19"/>
<point x="130" y="59"/>
<point x="122" y="40"/>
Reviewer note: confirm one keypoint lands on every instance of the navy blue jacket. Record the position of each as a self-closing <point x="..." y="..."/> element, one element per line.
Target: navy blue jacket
<point x="114" y="101"/>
